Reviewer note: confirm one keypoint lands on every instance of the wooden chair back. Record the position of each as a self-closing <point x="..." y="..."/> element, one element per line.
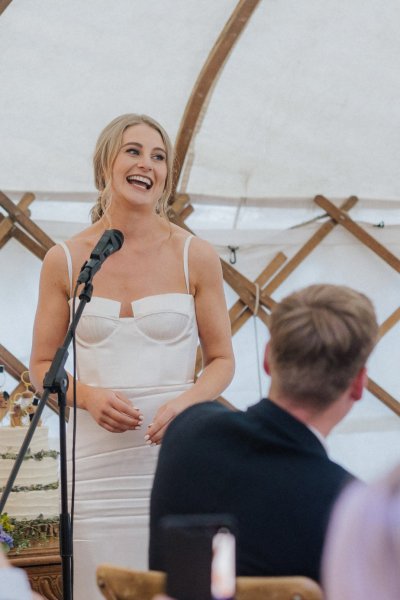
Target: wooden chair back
<point x="117" y="583"/>
<point x="277" y="588"/>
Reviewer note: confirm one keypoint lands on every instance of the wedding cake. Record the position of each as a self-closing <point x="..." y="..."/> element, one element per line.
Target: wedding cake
<point x="35" y="493"/>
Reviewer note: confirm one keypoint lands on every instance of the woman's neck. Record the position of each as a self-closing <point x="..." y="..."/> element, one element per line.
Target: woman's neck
<point x="135" y="224"/>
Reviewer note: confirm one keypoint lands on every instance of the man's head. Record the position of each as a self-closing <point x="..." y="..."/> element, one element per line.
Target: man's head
<point x="321" y="337"/>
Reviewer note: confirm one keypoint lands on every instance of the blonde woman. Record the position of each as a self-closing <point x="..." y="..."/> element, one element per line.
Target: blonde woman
<point x="136" y="341"/>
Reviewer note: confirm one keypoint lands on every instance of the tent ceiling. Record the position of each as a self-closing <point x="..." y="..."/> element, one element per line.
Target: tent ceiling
<point x="306" y="103"/>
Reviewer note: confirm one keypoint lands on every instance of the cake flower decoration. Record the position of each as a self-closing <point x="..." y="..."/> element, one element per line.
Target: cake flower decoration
<point x="6" y="539"/>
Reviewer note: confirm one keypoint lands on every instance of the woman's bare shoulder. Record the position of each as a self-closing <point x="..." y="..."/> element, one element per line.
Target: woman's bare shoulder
<point x="78" y="246"/>
<point x="204" y="263"/>
<point x="179" y="233"/>
<point x="203" y="252"/>
<point x="54" y="258"/>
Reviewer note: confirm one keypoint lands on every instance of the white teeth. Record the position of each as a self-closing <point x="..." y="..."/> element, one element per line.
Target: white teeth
<point x="145" y="180"/>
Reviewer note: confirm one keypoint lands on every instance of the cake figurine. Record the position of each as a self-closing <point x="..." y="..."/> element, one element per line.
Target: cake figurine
<point x="35" y="495"/>
<point x="4" y="396"/>
<point x="23" y="404"/>
<point x="4" y="404"/>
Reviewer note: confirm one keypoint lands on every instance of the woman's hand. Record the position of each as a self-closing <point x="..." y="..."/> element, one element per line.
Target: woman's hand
<point x="112" y="410"/>
<point x="163" y="417"/>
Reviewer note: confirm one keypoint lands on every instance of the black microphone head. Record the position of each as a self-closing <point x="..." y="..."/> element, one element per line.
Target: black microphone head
<point x="117" y="238"/>
<point x="110" y="242"/>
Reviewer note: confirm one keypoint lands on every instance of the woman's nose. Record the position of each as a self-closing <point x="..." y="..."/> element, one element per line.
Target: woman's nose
<point x="145" y="162"/>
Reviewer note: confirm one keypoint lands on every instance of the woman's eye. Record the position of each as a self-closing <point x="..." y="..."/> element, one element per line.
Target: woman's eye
<point x="159" y="156"/>
<point x="132" y="151"/>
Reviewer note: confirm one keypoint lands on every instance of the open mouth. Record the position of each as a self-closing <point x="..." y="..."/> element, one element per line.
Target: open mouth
<point x="140" y="181"/>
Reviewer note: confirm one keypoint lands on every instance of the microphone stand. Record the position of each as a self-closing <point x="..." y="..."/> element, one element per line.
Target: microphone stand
<point x="56" y="381"/>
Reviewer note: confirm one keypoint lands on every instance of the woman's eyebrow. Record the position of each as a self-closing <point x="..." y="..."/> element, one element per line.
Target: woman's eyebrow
<point x="141" y="146"/>
<point x="132" y="144"/>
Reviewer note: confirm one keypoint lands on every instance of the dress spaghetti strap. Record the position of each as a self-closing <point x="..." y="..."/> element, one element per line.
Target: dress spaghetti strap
<point x="69" y="265"/>
<point x="186" y="261"/>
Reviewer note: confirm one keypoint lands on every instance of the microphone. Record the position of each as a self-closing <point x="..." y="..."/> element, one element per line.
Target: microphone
<point x="110" y="242"/>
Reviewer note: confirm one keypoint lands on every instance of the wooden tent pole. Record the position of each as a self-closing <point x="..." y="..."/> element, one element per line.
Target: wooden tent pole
<point x="305" y="250"/>
<point x="12" y="365"/>
<point x="210" y="71"/>
<point x="343" y="219"/>
<point x="10" y="227"/>
<point x="383" y="396"/>
<point x="389" y="322"/>
<point x="20" y="217"/>
<point x="239" y="312"/>
<point x="7" y="226"/>
<point x="28" y="242"/>
<point x="3" y="5"/>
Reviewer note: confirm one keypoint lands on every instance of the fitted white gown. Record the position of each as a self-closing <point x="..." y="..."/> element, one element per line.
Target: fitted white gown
<point x="150" y="357"/>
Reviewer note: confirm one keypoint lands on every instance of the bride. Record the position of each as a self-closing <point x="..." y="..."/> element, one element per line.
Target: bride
<point x="136" y="342"/>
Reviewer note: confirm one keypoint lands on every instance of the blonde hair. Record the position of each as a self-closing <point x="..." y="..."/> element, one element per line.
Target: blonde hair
<point x="321" y="336"/>
<point x="107" y="148"/>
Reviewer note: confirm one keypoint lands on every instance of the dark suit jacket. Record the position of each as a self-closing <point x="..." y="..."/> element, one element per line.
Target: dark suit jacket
<point x="263" y="466"/>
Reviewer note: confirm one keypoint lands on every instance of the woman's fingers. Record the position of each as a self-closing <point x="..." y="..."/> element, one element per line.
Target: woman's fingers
<point x="113" y="420"/>
<point x="157" y="437"/>
<point x="114" y="411"/>
<point x="121" y="420"/>
<point x="156" y="430"/>
<point x="113" y="426"/>
<point x="125" y="407"/>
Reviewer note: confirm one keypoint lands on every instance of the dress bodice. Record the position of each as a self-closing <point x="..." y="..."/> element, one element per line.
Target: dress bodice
<point x="157" y="346"/>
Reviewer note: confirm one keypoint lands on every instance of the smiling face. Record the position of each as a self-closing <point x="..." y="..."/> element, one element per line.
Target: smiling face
<point x="139" y="171"/>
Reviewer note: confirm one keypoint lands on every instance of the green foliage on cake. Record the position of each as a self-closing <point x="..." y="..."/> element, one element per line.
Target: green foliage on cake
<point x="31" y="512"/>
<point x="20" y="534"/>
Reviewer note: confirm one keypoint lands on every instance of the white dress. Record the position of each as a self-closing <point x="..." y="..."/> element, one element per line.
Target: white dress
<point x="150" y="357"/>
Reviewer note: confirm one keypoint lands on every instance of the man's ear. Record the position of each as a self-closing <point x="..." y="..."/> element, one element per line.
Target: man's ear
<point x="266" y="360"/>
<point x="358" y="384"/>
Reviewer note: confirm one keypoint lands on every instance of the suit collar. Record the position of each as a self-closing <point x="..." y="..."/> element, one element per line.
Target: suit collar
<point x="294" y="430"/>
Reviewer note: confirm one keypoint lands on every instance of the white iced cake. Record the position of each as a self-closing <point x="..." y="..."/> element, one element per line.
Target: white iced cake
<point x="35" y="491"/>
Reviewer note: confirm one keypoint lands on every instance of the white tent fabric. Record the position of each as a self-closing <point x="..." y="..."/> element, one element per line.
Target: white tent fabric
<point x="305" y="104"/>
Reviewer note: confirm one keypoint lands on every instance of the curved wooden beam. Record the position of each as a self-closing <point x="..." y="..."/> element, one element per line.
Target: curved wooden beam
<point x="211" y="69"/>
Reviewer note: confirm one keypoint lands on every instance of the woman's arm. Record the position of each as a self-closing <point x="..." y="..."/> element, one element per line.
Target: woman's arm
<point x="112" y="411"/>
<point x="214" y="333"/>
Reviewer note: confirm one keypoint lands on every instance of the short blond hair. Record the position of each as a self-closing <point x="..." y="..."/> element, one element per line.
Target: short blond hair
<point x="107" y="148"/>
<point x="321" y="336"/>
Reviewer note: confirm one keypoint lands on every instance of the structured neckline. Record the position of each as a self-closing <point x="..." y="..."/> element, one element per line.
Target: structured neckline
<point x="133" y="302"/>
